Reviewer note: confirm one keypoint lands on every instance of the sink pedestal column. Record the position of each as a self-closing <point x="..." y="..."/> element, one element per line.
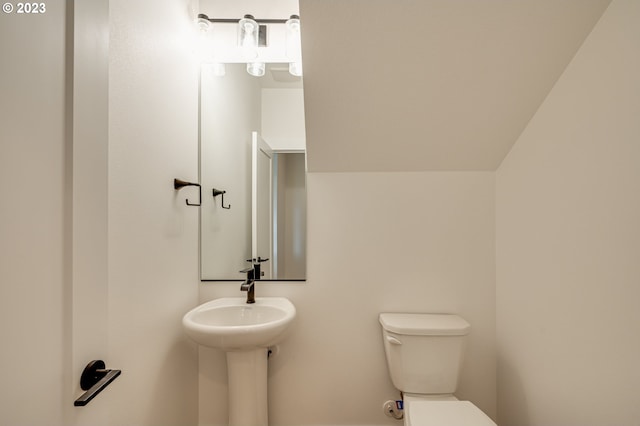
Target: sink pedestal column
<point x="247" y="382"/>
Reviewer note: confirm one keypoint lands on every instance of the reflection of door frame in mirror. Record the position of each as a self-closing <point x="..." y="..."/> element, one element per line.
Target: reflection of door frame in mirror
<point x="264" y="215"/>
<point x="261" y="203"/>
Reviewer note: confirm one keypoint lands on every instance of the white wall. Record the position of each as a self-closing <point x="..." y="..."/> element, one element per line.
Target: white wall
<point x="32" y="217"/>
<point x="153" y="235"/>
<point x="406" y="242"/>
<point x="568" y="239"/>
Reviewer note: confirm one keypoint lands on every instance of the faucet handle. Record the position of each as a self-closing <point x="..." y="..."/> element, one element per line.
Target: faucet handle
<point x="258" y="260"/>
<point x="251" y="273"/>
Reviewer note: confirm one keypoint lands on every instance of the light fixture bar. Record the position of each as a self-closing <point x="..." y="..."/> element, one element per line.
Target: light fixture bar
<point x="236" y="20"/>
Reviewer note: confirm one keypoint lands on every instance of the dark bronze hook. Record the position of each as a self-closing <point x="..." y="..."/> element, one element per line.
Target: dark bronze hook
<point x="179" y="184"/>
<point x="217" y="192"/>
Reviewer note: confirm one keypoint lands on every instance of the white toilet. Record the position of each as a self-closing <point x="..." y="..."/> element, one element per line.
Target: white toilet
<point x="424" y="356"/>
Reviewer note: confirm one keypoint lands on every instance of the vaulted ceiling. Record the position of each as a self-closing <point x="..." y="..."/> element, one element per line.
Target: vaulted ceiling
<point x="417" y="85"/>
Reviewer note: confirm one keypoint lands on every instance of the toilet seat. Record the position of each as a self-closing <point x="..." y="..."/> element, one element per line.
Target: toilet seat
<point x="446" y="413"/>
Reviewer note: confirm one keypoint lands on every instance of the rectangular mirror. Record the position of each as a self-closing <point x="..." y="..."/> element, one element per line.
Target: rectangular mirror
<point x="252" y="152"/>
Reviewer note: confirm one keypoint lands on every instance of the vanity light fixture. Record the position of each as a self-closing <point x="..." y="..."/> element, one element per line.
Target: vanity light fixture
<point x="252" y="35"/>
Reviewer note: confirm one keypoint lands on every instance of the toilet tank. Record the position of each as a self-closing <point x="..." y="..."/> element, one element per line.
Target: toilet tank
<point x="424" y="351"/>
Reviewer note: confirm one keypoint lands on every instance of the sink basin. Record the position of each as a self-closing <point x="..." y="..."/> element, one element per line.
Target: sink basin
<point x="230" y="323"/>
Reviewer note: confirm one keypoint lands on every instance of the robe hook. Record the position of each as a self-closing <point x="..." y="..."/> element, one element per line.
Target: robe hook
<point x="217" y="192"/>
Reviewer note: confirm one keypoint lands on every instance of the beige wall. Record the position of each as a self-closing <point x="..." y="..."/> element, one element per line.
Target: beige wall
<point x="153" y="235"/>
<point x="98" y="252"/>
<point x="447" y="85"/>
<point x="568" y="239"/>
<point x="406" y="242"/>
<point x="32" y="216"/>
<point x="86" y="304"/>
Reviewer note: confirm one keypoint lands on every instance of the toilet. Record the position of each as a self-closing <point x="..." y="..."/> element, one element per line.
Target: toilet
<point x="424" y="356"/>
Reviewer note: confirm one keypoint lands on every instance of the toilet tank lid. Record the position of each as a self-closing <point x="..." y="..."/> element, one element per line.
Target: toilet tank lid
<point x="424" y="324"/>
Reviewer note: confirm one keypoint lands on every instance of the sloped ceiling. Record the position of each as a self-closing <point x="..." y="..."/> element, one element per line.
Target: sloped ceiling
<point x="418" y="85"/>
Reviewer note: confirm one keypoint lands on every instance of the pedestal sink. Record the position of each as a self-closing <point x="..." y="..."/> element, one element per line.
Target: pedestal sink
<point x="245" y="332"/>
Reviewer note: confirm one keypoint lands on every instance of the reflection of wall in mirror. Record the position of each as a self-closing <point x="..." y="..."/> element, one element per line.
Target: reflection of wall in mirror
<point x="290" y="202"/>
<point x="230" y="111"/>
<point x="283" y="119"/>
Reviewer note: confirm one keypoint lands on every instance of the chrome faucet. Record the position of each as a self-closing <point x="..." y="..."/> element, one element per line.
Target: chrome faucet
<point x="249" y="285"/>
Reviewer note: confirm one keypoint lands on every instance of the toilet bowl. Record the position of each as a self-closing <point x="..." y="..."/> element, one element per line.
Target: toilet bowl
<point x="424" y="355"/>
<point x="442" y="410"/>
<point x="445" y="413"/>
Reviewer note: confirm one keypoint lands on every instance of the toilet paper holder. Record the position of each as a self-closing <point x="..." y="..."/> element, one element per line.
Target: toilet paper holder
<point x="95" y="377"/>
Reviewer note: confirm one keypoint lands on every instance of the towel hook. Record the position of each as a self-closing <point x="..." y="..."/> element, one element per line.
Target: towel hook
<point x="217" y="192"/>
<point x="179" y="184"/>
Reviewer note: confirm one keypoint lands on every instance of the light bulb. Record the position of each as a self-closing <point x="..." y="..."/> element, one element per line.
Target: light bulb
<point x="295" y="68"/>
<point x="203" y="46"/>
<point x="293" y="37"/>
<point x="203" y="24"/>
<point x="256" y="69"/>
<point x="248" y="32"/>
